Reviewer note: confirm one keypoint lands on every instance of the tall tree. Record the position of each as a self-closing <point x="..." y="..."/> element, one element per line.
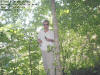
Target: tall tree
<point x="57" y="49"/>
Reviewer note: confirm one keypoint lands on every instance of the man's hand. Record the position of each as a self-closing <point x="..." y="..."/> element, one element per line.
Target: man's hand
<point x="51" y="40"/>
<point x="39" y="41"/>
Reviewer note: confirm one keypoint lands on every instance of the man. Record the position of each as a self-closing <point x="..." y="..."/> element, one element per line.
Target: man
<point x="45" y="39"/>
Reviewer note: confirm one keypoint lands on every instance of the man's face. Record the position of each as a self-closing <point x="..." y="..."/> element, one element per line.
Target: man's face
<point x="46" y="25"/>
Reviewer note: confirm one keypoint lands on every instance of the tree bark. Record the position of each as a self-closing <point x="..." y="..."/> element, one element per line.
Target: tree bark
<point x="57" y="49"/>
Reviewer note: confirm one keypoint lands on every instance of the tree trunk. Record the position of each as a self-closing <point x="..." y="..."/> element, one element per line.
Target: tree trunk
<point x="57" y="50"/>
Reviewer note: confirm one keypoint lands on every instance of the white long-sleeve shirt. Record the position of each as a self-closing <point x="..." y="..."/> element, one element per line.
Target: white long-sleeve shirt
<point x="41" y="35"/>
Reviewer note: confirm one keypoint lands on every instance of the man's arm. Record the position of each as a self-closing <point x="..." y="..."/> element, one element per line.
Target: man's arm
<point x="51" y="40"/>
<point x="39" y="38"/>
<point x="39" y="41"/>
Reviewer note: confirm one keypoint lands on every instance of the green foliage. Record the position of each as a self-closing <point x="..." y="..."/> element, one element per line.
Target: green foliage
<point x="50" y="48"/>
<point x="79" y="32"/>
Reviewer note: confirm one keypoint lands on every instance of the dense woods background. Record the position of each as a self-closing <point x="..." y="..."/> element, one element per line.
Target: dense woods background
<point x="79" y="36"/>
